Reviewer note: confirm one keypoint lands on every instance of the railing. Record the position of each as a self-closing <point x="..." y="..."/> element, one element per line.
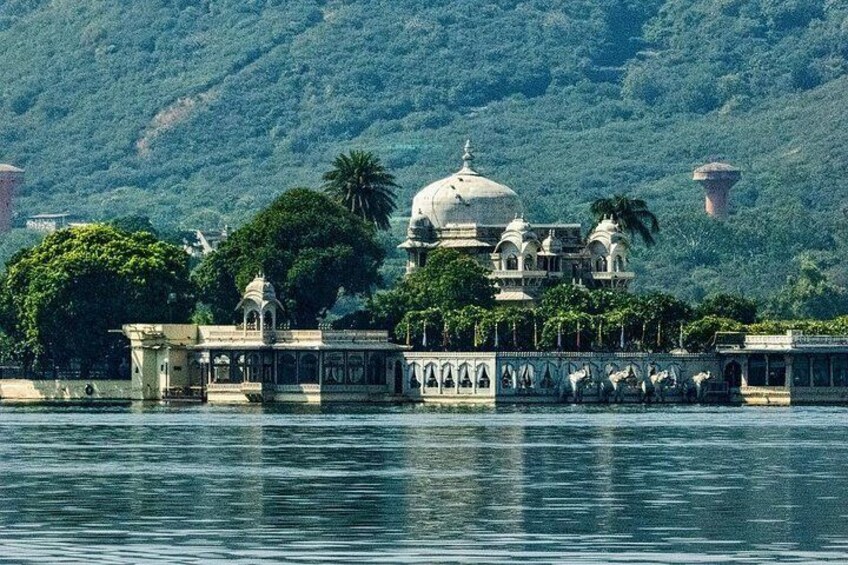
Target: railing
<point x="295" y="336"/>
<point x="194" y="393"/>
<point x="527" y="274"/>
<point x="356" y="335"/>
<point x="820" y="340"/>
<point x="606" y="276"/>
<point x="789" y="341"/>
<point x="251" y="387"/>
<point x="768" y="341"/>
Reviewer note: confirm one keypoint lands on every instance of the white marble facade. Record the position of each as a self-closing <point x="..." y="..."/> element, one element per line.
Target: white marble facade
<point x="486" y="219"/>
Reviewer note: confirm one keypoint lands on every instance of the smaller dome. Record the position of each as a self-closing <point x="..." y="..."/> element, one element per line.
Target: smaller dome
<point x="420" y="226"/>
<point x="552" y="244"/>
<point x="608" y="232"/>
<point x="607" y="225"/>
<point x="520" y="226"/>
<point x="259" y="287"/>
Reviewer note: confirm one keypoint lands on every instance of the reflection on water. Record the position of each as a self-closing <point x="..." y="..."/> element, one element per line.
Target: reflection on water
<point x="421" y="484"/>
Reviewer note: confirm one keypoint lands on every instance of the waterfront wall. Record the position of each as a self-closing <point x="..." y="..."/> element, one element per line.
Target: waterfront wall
<point x="522" y="377"/>
<point x="25" y="390"/>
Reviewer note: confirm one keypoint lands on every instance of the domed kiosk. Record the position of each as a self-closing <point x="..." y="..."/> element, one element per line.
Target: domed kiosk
<point x="484" y="218"/>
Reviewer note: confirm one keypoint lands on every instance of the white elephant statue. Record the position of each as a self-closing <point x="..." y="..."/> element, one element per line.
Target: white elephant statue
<point x="695" y="387"/>
<point x="612" y="387"/>
<point x="574" y="384"/>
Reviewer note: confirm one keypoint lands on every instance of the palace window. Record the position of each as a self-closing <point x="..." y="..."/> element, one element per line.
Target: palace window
<point x="252" y="321"/>
<point x="447" y="380"/>
<point x="839" y="364"/>
<point x="221" y="368"/>
<point x="776" y="370"/>
<point x="757" y="370"/>
<point x="733" y="374"/>
<point x="600" y="265"/>
<point x="334" y="368"/>
<point x="308" y="369"/>
<point x="464" y="377"/>
<point x="251" y="368"/>
<point x="376" y="372"/>
<point x="619" y="264"/>
<point x="821" y="370"/>
<point x="430" y="380"/>
<point x="512" y="263"/>
<point x="801" y="370"/>
<point x="286" y="369"/>
<point x="483" y="377"/>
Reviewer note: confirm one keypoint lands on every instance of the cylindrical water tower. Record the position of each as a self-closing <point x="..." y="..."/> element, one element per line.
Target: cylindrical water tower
<point x="717" y="180"/>
<point x="11" y="179"/>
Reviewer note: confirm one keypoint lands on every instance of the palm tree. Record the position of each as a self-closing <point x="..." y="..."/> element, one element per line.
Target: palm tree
<point x="631" y="214"/>
<point x="360" y="183"/>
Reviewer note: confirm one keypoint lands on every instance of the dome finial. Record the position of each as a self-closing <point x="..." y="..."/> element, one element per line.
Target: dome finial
<point x="467" y="156"/>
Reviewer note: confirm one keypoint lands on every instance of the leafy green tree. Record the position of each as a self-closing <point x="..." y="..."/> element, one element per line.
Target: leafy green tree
<point x="360" y="183"/>
<point x="449" y="281"/>
<point x="631" y="214"/>
<point x="59" y="299"/>
<point x="308" y="246"/>
<point x="565" y="297"/>
<point x="661" y="315"/>
<point x="699" y="334"/>
<point x="809" y="294"/>
<point x="732" y="306"/>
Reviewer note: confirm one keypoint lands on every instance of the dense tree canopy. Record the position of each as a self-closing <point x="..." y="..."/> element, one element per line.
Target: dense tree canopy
<point x="449" y="282"/>
<point x="60" y="298"/>
<point x="728" y="306"/>
<point x="809" y="294"/>
<point x="308" y="246"/>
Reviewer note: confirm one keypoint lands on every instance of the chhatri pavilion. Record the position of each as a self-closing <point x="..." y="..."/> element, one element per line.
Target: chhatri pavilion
<point x="479" y="216"/>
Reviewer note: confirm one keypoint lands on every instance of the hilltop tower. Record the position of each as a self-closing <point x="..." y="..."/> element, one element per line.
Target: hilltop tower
<point x="717" y="180"/>
<point x="11" y="179"/>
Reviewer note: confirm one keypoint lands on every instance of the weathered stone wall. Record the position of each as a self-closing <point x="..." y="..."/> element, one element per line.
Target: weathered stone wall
<point x="24" y="390"/>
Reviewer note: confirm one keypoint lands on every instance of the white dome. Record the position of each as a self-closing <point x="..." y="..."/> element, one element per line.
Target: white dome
<point x="467" y="197"/>
<point x="420" y="227"/>
<point x="260" y="289"/>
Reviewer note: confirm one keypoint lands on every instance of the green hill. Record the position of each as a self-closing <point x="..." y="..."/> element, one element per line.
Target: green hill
<point x="197" y="113"/>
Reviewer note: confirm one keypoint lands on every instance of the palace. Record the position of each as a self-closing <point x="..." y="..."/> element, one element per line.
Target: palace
<point x="261" y="360"/>
<point x="474" y="214"/>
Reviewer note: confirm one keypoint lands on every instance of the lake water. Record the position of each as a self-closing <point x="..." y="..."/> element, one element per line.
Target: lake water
<point x="415" y="484"/>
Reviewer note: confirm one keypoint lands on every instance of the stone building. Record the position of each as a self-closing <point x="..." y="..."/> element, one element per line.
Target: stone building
<point x="479" y="216"/>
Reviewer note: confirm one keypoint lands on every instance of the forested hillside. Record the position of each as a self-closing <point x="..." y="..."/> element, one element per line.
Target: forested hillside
<point x="198" y="112"/>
